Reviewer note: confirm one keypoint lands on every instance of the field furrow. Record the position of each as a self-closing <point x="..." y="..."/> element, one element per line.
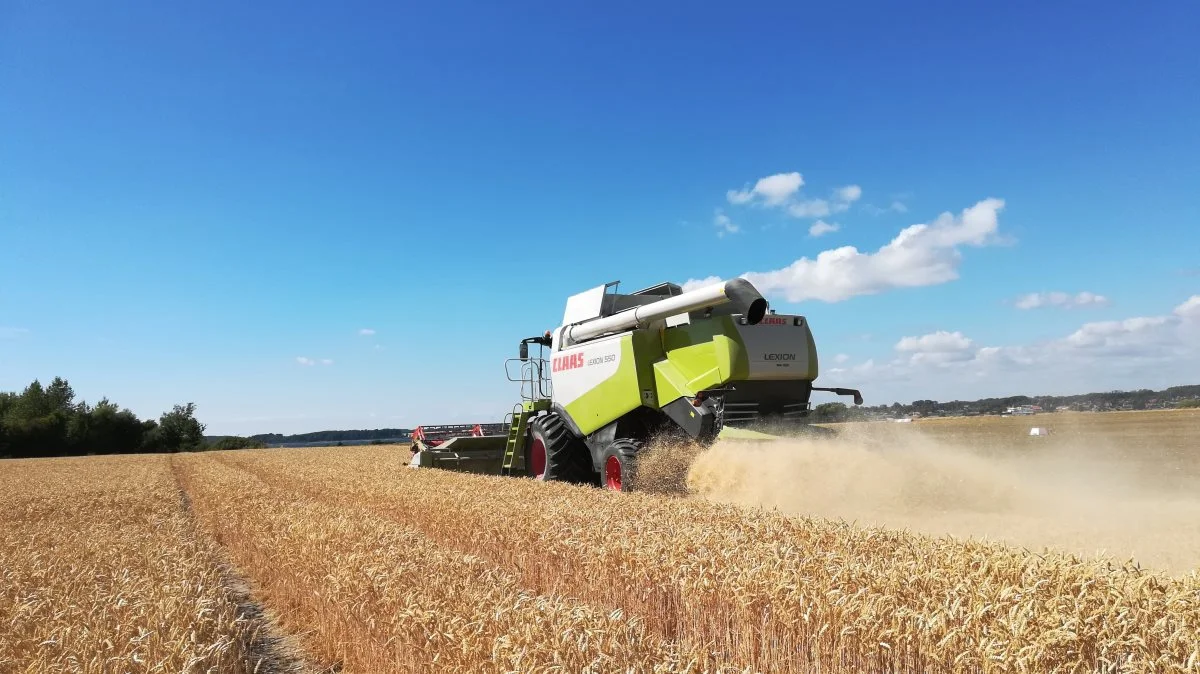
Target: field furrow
<point x="780" y="594"/>
<point x="371" y="594"/>
<point x="100" y="572"/>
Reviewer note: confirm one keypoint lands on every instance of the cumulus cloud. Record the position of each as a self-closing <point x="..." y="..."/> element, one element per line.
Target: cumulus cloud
<point x="848" y="194"/>
<point x="920" y="255"/>
<point x="692" y="284"/>
<point x="935" y="342"/>
<point x="813" y="208"/>
<point x="724" y="225"/>
<point x="841" y="358"/>
<point x="780" y="190"/>
<point x="842" y="198"/>
<point x="772" y="190"/>
<point x="1190" y="309"/>
<point x="1062" y="300"/>
<point x="308" y="362"/>
<point x="327" y="361"/>
<point x="1118" y="336"/>
<point x="936" y="348"/>
<point x="820" y="227"/>
<point x="366" y="332"/>
<point x="1136" y="352"/>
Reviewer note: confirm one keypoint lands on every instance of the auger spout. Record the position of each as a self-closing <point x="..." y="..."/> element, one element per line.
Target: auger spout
<point x="740" y="292"/>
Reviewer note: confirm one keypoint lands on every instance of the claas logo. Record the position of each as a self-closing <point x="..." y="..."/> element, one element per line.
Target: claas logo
<point x="774" y="320"/>
<point x="568" y="362"/>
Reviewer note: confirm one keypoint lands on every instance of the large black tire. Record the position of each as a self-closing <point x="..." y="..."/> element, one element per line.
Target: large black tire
<point x="562" y="456"/>
<point x="619" y="470"/>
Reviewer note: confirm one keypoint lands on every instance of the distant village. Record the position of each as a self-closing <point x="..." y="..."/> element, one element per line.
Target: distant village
<point x="1110" y="401"/>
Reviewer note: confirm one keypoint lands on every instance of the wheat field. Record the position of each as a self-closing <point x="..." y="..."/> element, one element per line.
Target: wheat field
<point x="344" y="560"/>
<point x="101" y="570"/>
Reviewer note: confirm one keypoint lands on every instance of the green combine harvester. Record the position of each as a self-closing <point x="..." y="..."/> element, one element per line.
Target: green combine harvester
<point x="623" y="369"/>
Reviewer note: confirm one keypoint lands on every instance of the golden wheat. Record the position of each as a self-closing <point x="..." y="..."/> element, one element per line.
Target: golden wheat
<point x="770" y="592"/>
<point x="376" y="568"/>
<point x="373" y="595"/>
<point x="100" y="572"/>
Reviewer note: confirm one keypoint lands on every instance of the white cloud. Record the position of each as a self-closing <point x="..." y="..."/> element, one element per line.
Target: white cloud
<point x="724" y="225"/>
<point x="305" y="361"/>
<point x="841" y="358"/>
<point x="1136" y="352"/>
<point x="366" y="332"/>
<point x="936" y="348"/>
<point x="1190" y="309"/>
<point x="813" y="208"/>
<point x="848" y="194"/>
<point x="935" y="342"/>
<point x="920" y="255"/>
<point x="820" y="227"/>
<point x="779" y="191"/>
<point x="692" y="284"/>
<point x="1107" y="335"/>
<point x="819" y="208"/>
<point x="1061" y="299"/>
<point x="774" y="190"/>
<point x="899" y="207"/>
<point x="326" y="361"/>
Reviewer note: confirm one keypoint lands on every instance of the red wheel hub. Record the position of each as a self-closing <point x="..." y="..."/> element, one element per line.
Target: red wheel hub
<point x="537" y="458"/>
<point x="612" y="473"/>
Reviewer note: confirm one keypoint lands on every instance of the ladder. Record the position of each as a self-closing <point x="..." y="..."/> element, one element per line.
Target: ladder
<point x="517" y="429"/>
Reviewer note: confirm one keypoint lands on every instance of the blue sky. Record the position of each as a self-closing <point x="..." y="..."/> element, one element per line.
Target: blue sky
<point x="194" y="198"/>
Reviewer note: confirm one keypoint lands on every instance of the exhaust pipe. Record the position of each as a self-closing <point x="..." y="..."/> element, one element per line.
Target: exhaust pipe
<point x="738" y="291"/>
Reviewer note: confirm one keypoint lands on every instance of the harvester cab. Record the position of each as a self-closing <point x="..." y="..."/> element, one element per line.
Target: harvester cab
<point x="623" y="369"/>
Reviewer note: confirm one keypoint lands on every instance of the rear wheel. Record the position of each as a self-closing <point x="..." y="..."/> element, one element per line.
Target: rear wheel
<point x="619" y="466"/>
<point x="554" y="454"/>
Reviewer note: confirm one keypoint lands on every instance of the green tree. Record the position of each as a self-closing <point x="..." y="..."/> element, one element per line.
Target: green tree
<point x="238" y="442"/>
<point x="830" y="411"/>
<point x="111" y="430"/>
<point x="179" y="431"/>
<point x="32" y="403"/>
<point x="60" y="397"/>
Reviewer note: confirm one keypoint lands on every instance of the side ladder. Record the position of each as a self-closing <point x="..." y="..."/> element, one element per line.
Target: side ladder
<point x="517" y="429"/>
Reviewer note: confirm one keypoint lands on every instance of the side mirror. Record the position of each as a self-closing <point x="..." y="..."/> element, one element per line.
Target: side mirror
<point x="524" y="351"/>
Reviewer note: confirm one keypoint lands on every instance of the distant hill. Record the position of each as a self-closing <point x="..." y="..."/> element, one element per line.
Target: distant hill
<point x="1106" y="401"/>
<point x="351" y="437"/>
<point x="1141" y="399"/>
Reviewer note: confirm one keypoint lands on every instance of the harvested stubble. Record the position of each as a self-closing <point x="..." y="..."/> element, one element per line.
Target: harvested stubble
<point x="775" y="593"/>
<point x="100" y="572"/>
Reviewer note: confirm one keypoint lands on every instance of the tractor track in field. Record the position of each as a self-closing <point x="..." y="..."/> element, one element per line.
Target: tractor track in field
<point x="309" y="489"/>
<point x="272" y="649"/>
<point x="298" y="491"/>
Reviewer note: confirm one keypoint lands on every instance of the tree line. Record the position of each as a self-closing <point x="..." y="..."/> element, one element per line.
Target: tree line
<point x="1140" y="399"/>
<point x="43" y="421"/>
<point x="331" y="436"/>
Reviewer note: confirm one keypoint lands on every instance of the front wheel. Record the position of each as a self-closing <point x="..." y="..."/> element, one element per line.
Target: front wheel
<point x="553" y="454"/>
<point x="620" y="462"/>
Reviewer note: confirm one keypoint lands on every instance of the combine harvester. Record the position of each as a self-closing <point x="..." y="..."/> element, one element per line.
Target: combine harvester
<point x="623" y="369"/>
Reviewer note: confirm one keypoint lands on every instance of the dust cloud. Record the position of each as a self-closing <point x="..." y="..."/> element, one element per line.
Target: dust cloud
<point x="1080" y="494"/>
